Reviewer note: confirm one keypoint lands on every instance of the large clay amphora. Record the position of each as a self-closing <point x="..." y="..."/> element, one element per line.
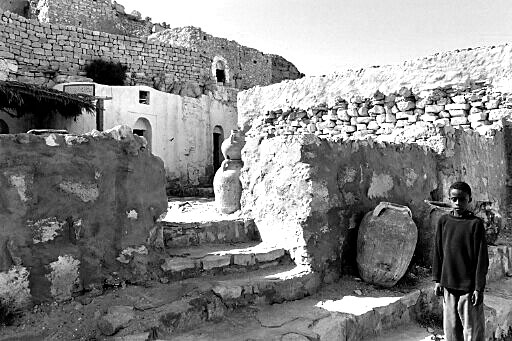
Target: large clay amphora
<point x="436" y="209"/>
<point x="385" y="244"/>
<point x="232" y="146"/>
<point x="227" y="186"/>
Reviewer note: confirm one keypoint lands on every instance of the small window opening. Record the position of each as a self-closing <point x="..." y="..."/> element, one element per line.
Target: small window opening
<point x="139" y="132"/>
<point x="255" y="62"/>
<point x="204" y="38"/>
<point x="220" y="73"/>
<point x="221" y="76"/>
<point x="144" y="97"/>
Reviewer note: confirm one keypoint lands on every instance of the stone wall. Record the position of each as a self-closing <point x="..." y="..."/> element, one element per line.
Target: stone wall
<point x="397" y="116"/>
<point x="38" y="54"/>
<point x="20" y="7"/>
<point x="76" y="212"/>
<point x="309" y="194"/>
<point x="246" y="67"/>
<point x="98" y="15"/>
<point x="458" y="69"/>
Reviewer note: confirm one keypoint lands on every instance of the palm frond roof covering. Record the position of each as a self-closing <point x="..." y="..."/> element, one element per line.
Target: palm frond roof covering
<point x="24" y="98"/>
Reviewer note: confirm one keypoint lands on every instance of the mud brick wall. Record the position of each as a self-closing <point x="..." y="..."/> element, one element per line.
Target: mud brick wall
<point x="74" y="210"/>
<point x="44" y="53"/>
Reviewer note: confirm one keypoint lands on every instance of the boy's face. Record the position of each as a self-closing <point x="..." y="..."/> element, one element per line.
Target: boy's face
<point x="460" y="200"/>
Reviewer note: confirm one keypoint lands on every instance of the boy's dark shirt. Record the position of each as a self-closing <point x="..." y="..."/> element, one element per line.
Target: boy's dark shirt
<point x="460" y="253"/>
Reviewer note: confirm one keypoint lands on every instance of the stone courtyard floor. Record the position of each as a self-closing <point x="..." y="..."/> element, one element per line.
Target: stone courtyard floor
<point x="213" y="306"/>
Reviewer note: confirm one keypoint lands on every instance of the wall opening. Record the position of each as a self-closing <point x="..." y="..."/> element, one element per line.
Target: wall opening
<point x="143" y="128"/>
<point x="144" y="97"/>
<point x="4" y="128"/>
<point x="220" y="72"/>
<point x="218" y="138"/>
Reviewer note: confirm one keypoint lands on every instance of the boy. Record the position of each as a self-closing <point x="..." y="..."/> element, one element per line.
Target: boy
<point x="459" y="268"/>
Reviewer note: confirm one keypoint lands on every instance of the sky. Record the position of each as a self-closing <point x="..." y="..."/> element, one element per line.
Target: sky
<point x="323" y="36"/>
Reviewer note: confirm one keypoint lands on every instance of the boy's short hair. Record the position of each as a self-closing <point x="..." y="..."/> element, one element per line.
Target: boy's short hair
<point x="461" y="186"/>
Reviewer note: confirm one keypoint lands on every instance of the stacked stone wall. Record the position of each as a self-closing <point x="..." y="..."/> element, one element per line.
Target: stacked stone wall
<point x="401" y="116"/>
<point x="46" y="54"/>
<point x="248" y="67"/>
<point x="101" y="15"/>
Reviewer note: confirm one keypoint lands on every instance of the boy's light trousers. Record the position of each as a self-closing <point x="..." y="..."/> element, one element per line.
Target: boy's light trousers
<point x="461" y="320"/>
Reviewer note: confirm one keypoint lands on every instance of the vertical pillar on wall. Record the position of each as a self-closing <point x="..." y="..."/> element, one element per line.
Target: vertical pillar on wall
<point x="507" y="132"/>
<point x="100" y="108"/>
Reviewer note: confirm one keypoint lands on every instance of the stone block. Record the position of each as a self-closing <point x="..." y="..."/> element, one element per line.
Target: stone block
<point x="245" y="259"/>
<point x="178" y="264"/>
<point x="401" y="115"/>
<point x="402" y="123"/>
<point x="492" y="104"/>
<point x="442" y="122"/>
<point x="458" y="113"/>
<point x="428" y="118"/>
<point x="216" y="261"/>
<point x="228" y="291"/>
<point x="269" y="256"/>
<point x="459" y="120"/>
<point x="498" y="114"/>
<point x="365" y="120"/>
<point x="363" y="111"/>
<point x="457" y="106"/>
<point x="373" y="125"/>
<point x="361" y="126"/>
<point x="444" y="114"/>
<point x="434" y="108"/>
<point x="460" y="99"/>
<point x="343" y="115"/>
<point x="405" y="105"/>
<point x="481" y="116"/>
<point x="377" y="110"/>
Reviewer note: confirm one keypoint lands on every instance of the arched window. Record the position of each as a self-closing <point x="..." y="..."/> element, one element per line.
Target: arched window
<point x="143" y="128"/>
<point x="4" y="128"/>
<point x="220" y="70"/>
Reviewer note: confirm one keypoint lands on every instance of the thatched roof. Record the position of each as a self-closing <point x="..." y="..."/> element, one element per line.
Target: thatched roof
<point x="17" y="99"/>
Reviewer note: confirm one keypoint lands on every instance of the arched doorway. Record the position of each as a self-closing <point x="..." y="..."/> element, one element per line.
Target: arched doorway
<point x="4" y="128"/>
<point x="142" y="127"/>
<point x="218" y="138"/>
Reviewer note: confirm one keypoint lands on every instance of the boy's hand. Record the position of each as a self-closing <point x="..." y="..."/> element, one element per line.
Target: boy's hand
<point x="477" y="298"/>
<point x="438" y="289"/>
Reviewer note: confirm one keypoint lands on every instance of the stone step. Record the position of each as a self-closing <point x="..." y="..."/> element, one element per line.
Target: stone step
<point x="341" y="313"/>
<point x="222" y="259"/>
<point x="193" y="221"/>
<point x="181" y="234"/>
<point x="190" y="303"/>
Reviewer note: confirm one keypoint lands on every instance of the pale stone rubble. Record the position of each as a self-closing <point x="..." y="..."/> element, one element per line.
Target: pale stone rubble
<point x="402" y="116"/>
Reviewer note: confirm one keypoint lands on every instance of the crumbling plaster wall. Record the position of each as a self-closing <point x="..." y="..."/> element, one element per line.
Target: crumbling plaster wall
<point x="70" y="206"/>
<point x="309" y="195"/>
<point x="182" y="127"/>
